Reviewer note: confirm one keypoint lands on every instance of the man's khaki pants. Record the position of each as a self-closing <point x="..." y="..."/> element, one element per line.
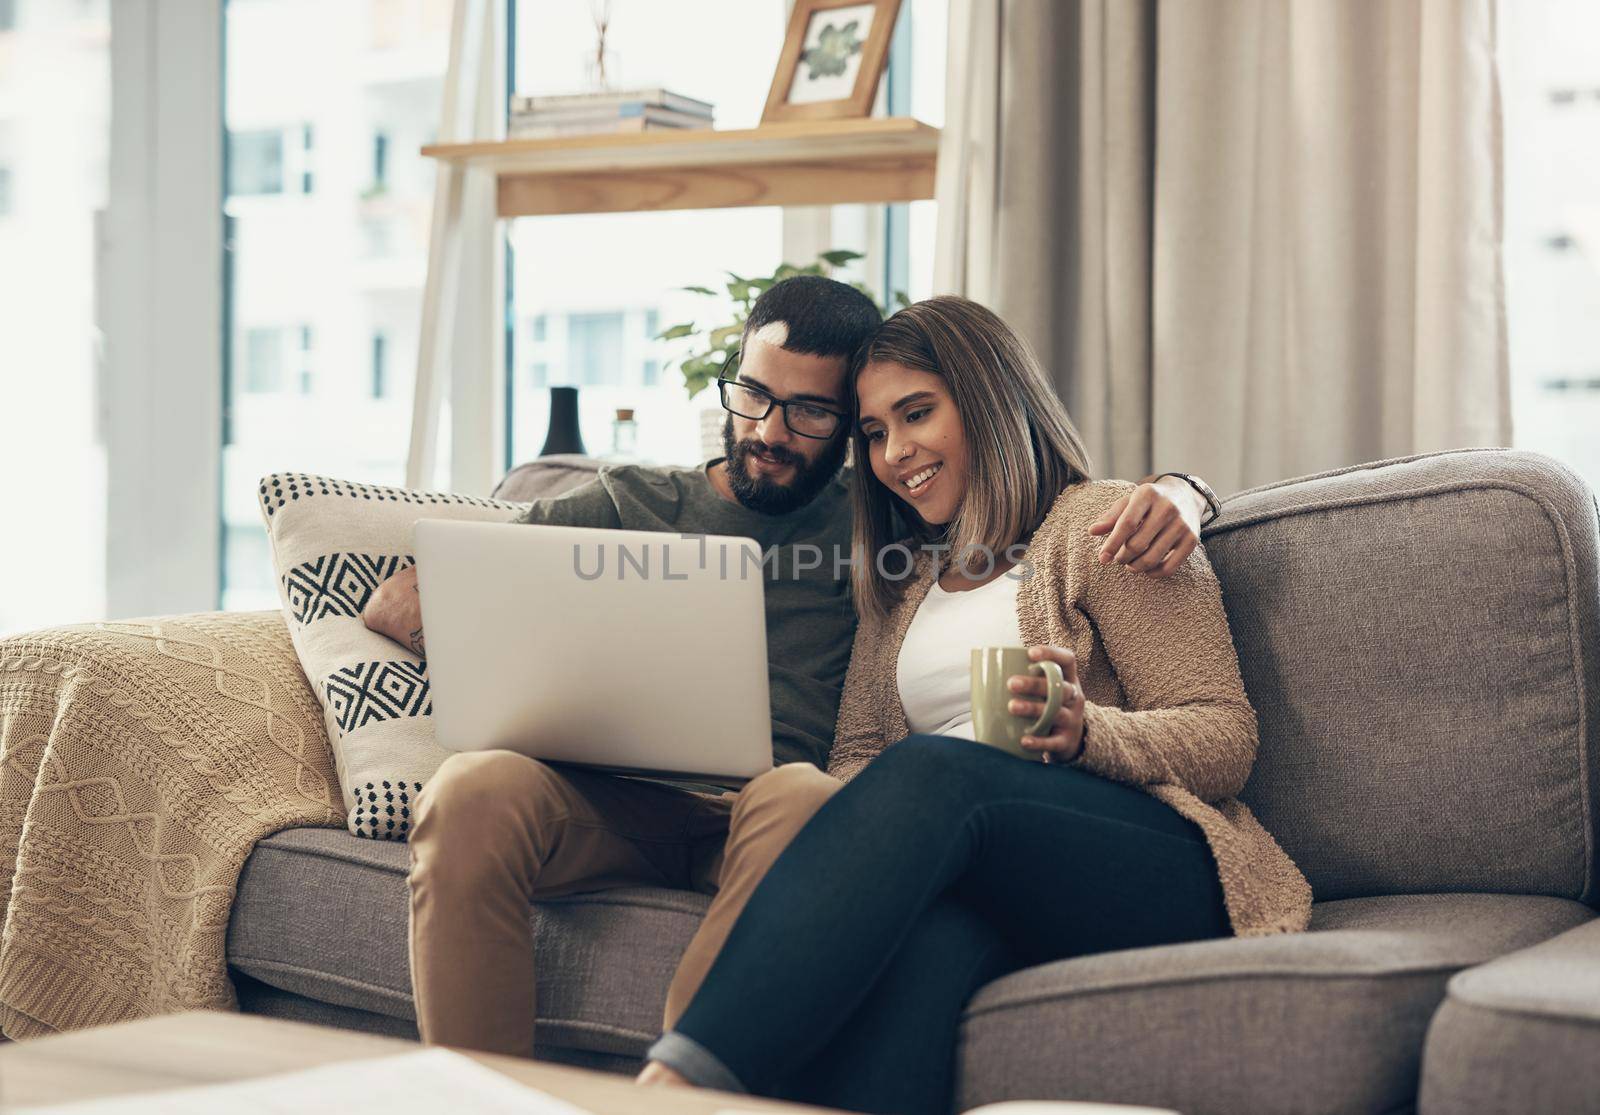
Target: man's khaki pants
<point x="496" y="830"/>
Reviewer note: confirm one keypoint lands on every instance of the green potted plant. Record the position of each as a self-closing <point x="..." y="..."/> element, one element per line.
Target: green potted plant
<point x="718" y="339"/>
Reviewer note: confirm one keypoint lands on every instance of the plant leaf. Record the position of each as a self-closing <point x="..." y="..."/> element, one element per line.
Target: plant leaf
<point x="699" y="290"/>
<point x="676" y="331"/>
<point x="901" y="300"/>
<point x="840" y="256"/>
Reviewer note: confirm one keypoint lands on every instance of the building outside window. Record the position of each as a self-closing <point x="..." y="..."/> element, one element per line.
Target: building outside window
<point x="594" y="348"/>
<point x="380" y="162"/>
<point x="1550" y="87"/>
<point x="7" y="157"/>
<point x="55" y="130"/>
<point x="263" y="361"/>
<point x="255" y="163"/>
<point x="337" y="266"/>
<point x="380" y="365"/>
<point x="308" y="379"/>
<point x="307" y="149"/>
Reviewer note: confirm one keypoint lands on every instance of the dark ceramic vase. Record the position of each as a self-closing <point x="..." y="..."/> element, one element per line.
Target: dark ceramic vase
<point x="564" y="435"/>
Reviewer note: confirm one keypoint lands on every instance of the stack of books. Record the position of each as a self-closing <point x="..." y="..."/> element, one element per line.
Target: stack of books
<point x="641" y="110"/>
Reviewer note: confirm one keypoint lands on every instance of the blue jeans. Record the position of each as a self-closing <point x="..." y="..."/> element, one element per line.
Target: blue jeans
<point x="942" y="865"/>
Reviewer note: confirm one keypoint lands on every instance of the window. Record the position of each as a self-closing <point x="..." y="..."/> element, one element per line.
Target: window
<point x="538" y="328"/>
<point x="1550" y="69"/>
<point x="7" y="161"/>
<point x="270" y="161"/>
<point x="307" y="378"/>
<point x="255" y="163"/>
<point x="380" y="368"/>
<point x="246" y="558"/>
<point x="307" y="146"/>
<point x="317" y="253"/>
<point x="263" y="361"/>
<point x="380" y="161"/>
<point x="55" y="109"/>
<point x="594" y="348"/>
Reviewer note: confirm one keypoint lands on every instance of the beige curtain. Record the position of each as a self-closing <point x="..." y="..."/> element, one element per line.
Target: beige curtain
<point x="1249" y="238"/>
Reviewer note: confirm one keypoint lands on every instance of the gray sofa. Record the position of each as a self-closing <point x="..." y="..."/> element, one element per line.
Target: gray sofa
<point x="1421" y="639"/>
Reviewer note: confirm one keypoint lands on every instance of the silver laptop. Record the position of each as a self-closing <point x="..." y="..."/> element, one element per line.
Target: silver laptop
<point x="632" y="651"/>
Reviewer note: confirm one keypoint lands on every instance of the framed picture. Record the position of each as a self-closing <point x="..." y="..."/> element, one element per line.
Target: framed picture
<point x="833" y="56"/>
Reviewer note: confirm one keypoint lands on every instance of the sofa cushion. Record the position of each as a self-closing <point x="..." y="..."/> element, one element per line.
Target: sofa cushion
<point x="1328" y="1020"/>
<point x="1421" y="641"/>
<point x="324" y="914"/>
<point x="1521" y="1034"/>
<point x="544" y="477"/>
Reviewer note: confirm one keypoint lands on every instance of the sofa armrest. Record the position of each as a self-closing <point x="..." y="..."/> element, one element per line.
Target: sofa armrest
<point x="230" y="679"/>
<point x="1520" y="1033"/>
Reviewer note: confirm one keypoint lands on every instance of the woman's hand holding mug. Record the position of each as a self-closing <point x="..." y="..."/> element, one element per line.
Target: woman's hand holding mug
<point x="1064" y="740"/>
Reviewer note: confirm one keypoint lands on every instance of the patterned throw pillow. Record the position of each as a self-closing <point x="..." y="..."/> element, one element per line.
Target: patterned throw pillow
<point x="333" y="542"/>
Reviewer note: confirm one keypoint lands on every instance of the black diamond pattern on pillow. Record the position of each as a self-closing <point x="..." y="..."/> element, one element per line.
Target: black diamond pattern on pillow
<point x="369" y="691"/>
<point x="338" y="584"/>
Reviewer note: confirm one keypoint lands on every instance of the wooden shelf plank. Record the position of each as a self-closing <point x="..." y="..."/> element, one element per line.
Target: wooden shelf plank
<point x="824" y="162"/>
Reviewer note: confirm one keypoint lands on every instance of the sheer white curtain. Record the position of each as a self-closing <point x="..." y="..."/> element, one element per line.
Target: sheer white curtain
<point x="1249" y="238"/>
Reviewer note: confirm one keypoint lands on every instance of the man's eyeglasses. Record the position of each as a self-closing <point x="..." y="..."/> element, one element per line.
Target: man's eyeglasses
<point x="805" y="419"/>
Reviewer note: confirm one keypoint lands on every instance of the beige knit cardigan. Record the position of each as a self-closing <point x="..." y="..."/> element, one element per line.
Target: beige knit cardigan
<point x="1166" y="709"/>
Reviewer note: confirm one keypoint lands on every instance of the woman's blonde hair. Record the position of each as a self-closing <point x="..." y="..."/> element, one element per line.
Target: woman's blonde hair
<point x="1022" y="449"/>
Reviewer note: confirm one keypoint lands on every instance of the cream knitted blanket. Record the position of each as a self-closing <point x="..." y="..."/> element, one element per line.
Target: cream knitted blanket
<point x="139" y="764"/>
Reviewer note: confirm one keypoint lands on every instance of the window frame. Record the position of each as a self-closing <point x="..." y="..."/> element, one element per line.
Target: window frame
<point x="161" y="274"/>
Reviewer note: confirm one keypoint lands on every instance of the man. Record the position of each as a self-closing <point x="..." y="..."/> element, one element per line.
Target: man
<point x="496" y="830"/>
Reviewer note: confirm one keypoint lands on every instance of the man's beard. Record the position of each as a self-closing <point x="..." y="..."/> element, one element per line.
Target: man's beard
<point x="768" y="496"/>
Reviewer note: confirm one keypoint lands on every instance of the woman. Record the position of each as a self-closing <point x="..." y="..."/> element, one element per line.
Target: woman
<point x="958" y="857"/>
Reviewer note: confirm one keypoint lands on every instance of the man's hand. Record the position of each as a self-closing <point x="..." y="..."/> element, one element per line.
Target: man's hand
<point x="1153" y="528"/>
<point x="394" y="609"/>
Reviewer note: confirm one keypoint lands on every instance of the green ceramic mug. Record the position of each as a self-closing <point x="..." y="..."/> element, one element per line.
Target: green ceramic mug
<point x="992" y="723"/>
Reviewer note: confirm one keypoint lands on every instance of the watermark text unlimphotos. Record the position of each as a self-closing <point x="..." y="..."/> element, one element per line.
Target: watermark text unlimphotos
<point x="621" y="561"/>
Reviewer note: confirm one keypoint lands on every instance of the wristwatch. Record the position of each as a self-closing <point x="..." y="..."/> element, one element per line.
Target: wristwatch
<point x="1213" y="504"/>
